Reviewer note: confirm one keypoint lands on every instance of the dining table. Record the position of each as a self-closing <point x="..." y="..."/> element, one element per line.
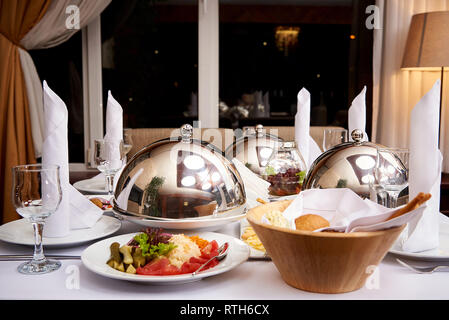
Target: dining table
<point x="254" y="279"/>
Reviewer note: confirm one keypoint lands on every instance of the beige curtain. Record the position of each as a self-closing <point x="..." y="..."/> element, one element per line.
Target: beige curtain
<point x="17" y="17"/>
<point x="396" y="91"/>
<point x="49" y="32"/>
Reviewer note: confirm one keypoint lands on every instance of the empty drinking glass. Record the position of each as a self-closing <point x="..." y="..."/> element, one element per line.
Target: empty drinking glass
<point x="109" y="156"/>
<point x="391" y="172"/>
<point x="36" y="194"/>
<point x="127" y="140"/>
<point x="333" y="137"/>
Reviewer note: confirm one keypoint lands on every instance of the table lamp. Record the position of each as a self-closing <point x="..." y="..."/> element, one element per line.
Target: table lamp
<point x="427" y="47"/>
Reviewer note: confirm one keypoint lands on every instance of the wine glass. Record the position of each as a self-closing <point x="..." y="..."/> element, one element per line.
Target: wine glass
<point x="391" y="172"/>
<point x="108" y="156"/>
<point x="36" y="194"/>
<point x="333" y="137"/>
<point x="127" y="140"/>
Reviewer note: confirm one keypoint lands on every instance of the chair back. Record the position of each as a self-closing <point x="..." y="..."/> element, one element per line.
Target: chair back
<point x="141" y="137"/>
<point x="220" y="137"/>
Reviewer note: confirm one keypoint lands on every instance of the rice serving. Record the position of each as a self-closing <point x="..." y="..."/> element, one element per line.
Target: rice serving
<point x="185" y="249"/>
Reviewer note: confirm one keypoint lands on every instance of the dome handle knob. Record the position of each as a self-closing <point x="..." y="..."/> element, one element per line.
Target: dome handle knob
<point x="357" y="136"/>
<point x="186" y="133"/>
<point x="259" y="130"/>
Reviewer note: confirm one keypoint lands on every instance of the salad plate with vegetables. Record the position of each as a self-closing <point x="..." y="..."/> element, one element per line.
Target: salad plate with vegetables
<point x="159" y="257"/>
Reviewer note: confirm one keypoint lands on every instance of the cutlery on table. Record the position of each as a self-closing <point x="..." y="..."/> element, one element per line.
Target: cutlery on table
<point x="429" y="269"/>
<point x="20" y="257"/>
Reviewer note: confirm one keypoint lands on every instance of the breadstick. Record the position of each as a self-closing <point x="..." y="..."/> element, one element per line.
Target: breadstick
<point x="415" y="203"/>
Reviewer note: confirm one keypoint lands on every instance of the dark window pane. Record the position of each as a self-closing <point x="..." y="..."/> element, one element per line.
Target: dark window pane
<point x="267" y="56"/>
<point x="150" y="61"/>
<point x="62" y="67"/>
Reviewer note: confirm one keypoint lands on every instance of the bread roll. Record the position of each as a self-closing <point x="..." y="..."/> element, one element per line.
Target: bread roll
<point x="311" y="222"/>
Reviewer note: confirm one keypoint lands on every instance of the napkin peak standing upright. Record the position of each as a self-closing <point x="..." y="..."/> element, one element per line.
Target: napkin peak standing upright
<point x="306" y="145"/>
<point x="75" y="210"/>
<point x="114" y="119"/>
<point x="55" y="151"/>
<point x="357" y="115"/>
<point x="425" y="171"/>
<point x="114" y="131"/>
<point x="114" y="128"/>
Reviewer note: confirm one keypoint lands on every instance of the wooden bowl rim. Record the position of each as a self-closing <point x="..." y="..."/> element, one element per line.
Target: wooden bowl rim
<point x="364" y="234"/>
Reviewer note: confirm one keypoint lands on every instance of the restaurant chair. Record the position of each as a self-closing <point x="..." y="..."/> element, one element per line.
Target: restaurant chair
<point x="142" y="137"/>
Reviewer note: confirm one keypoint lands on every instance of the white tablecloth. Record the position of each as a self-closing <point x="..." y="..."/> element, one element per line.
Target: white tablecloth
<point x="253" y="280"/>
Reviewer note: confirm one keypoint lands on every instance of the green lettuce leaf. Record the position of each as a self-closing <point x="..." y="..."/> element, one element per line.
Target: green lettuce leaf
<point x="269" y="170"/>
<point x="302" y="176"/>
<point x="150" y="250"/>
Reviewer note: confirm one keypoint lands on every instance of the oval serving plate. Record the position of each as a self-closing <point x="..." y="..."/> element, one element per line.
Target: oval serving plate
<point x="96" y="255"/>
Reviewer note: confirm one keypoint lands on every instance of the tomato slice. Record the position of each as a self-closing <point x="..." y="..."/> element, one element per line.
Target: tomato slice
<point x="158" y="268"/>
<point x="189" y="267"/>
<point x="162" y="266"/>
<point x="211" y="250"/>
<point x="199" y="260"/>
<point x="171" y="270"/>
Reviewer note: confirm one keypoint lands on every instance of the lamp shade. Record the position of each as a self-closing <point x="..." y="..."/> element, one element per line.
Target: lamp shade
<point x="428" y="41"/>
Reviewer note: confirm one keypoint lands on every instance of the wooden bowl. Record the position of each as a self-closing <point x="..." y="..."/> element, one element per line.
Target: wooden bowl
<point x="324" y="262"/>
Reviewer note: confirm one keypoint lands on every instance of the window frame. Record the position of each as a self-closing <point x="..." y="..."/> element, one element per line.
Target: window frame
<point x="92" y="88"/>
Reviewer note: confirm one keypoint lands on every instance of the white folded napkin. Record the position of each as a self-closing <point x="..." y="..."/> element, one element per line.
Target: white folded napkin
<point x="357" y="115"/>
<point x="345" y="211"/>
<point x="114" y="131"/>
<point x="425" y="171"/>
<point x="114" y="119"/>
<point x="305" y="143"/>
<point x="75" y="210"/>
<point x="255" y="187"/>
<point x="339" y="206"/>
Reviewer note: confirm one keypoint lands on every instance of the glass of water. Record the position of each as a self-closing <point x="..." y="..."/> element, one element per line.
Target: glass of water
<point x="36" y="194"/>
<point x="391" y="172"/>
<point x="109" y="156"/>
<point x="333" y="137"/>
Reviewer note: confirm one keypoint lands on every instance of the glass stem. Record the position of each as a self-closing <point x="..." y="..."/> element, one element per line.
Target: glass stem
<point x="110" y="184"/>
<point x="393" y="199"/>
<point x="38" y="249"/>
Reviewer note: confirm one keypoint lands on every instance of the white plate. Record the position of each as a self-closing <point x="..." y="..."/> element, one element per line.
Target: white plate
<point x="21" y="232"/>
<point x="186" y="224"/>
<point x="93" y="185"/>
<point x="438" y="254"/>
<point x="96" y="255"/>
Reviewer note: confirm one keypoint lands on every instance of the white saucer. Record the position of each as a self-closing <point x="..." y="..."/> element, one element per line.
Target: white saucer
<point x="438" y="254"/>
<point x="95" y="256"/>
<point x="21" y="232"/>
<point x="93" y="185"/>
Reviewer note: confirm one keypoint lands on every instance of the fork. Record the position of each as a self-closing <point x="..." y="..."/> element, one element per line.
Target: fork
<point x="424" y="269"/>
